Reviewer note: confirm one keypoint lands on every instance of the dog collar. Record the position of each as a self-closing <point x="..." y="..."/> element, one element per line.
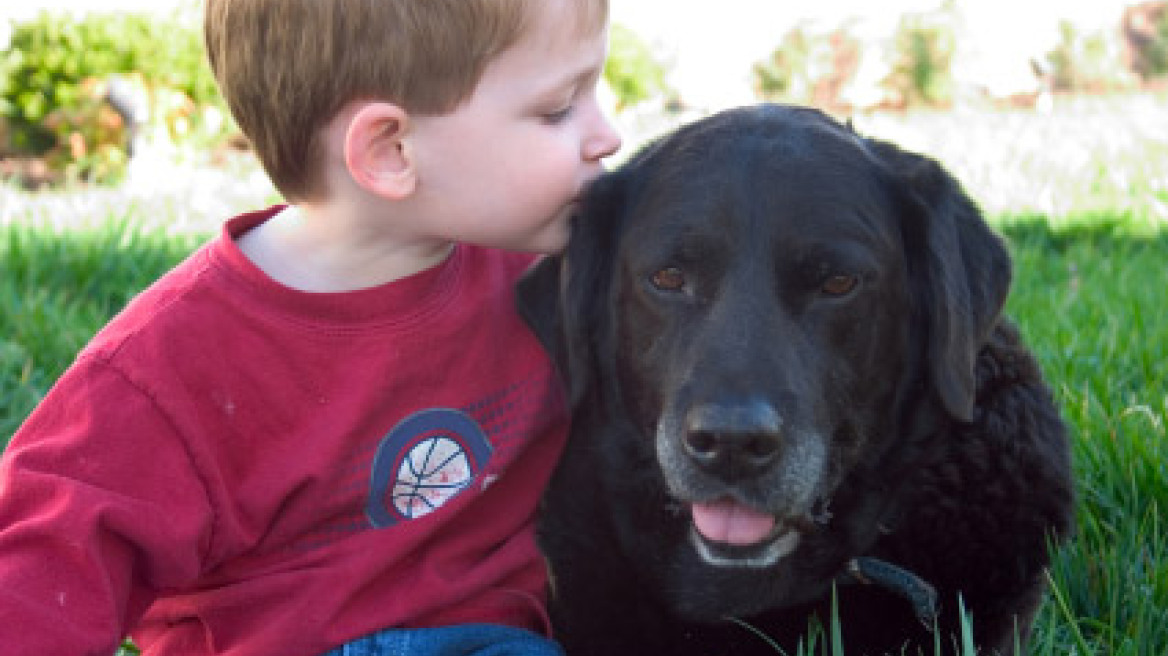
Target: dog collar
<point x="917" y="591"/>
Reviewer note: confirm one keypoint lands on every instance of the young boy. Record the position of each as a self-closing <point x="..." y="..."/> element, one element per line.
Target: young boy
<point x="328" y="426"/>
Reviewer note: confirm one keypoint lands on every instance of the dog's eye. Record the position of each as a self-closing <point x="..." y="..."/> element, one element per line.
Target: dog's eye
<point x="840" y="285"/>
<point x="669" y="279"/>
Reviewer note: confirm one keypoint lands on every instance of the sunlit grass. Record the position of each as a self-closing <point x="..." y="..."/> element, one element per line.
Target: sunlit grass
<point x="1090" y="300"/>
<point x="57" y="287"/>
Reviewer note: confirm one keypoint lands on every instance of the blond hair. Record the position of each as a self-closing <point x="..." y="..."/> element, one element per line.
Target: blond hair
<point x="287" y="67"/>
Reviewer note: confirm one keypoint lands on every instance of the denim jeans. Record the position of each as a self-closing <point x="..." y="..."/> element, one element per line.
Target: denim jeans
<point x="462" y="640"/>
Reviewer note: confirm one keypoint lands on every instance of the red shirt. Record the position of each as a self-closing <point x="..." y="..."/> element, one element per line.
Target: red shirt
<point x="235" y="467"/>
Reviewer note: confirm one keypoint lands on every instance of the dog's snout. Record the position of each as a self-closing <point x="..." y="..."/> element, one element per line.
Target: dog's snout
<point x="733" y="440"/>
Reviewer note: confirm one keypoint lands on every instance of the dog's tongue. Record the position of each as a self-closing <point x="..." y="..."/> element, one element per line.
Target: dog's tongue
<point x="730" y="522"/>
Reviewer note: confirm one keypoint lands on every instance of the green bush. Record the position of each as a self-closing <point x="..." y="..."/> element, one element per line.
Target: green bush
<point x="785" y="75"/>
<point x="922" y="70"/>
<point x="1146" y="29"/>
<point x="1155" y="60"/>
<point x="631" y="70"/>
<point x="808" y="67"/>
<point x="1088" y="61"/>
<point x="54" y="77"/>
<point x="817" y="66"/>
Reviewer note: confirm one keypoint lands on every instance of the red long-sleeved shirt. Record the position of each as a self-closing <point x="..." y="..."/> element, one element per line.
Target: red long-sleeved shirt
<point x="235" y="467"/>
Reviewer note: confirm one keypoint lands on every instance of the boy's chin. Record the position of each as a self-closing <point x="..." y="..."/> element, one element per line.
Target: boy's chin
<point x="549" y="241"/>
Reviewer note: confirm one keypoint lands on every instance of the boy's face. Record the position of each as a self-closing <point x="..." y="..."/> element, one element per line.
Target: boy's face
<point x="505" y="168"/>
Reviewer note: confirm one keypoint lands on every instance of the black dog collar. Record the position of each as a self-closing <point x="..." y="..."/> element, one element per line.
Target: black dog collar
<point x="917" y="591"/>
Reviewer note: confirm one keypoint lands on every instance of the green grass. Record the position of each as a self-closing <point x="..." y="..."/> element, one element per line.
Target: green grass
<point x="1091" y="300"/>
<point x="1089" y="296"/>
<point x="57" y="287"/>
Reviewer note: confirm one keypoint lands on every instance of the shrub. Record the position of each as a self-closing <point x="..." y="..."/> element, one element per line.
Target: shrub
<point x="631" y="70"/>
<point x="922" y="70"/>
<point x="1088" y="61"/>
<point x="778" y="76"/>
<point x="789" y="74"/>
<point x="1145" y="27"/>
<point x="808" y="67"/>
<point x="55" y="77"/>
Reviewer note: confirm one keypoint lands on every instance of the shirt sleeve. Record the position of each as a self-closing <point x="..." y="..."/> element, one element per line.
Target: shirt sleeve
<point x="101" y="510"/>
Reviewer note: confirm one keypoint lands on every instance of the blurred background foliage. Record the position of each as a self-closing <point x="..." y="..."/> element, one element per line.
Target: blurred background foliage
<point x="915" y="65"/>
<point x="633" y="73"/>
<point x="79" y="92"/>
<point x="922" y="68"/>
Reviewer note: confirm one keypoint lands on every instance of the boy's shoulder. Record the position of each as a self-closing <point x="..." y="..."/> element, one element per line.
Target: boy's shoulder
<point x="161" y="298"/>
<point x="216" y="292"/>
<point x="176" y="302"/>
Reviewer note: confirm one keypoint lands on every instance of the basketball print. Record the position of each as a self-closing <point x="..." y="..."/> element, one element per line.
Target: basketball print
<point x="430" y="474"/>
<point x="424" y="462"/>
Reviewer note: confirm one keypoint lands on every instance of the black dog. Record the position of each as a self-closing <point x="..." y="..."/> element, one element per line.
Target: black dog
<point x="789" y="374"/>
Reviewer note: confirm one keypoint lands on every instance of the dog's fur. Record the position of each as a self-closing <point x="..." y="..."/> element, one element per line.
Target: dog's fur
<point x="767" y="312"/>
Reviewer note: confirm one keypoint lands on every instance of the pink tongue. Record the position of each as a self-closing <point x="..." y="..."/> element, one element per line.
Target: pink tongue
<point x="732" y="523"/>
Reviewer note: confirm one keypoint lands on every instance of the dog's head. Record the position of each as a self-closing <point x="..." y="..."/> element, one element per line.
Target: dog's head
<point x="762" y="294"/>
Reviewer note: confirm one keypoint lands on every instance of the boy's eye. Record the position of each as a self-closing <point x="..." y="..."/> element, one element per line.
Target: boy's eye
<point x="558" y="116"/>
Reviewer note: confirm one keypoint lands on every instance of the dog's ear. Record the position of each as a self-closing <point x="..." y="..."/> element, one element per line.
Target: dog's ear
<point x="960" y="267"/>
<point x="561" y="296"/>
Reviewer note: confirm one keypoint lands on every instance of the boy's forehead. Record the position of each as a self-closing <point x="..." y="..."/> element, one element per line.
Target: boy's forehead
<point x="559" y="33"/>
<point x="581" y="18"/>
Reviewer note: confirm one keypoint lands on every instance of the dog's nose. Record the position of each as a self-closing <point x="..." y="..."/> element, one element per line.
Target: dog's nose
<point x="733" y="440"/>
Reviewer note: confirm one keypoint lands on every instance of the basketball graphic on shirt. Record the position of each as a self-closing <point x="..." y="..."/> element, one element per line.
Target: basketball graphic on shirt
<point x="424" y="462"/>
<point x="430" y="475"/>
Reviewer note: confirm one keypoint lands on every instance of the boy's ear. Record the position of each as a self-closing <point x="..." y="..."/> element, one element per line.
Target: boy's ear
<point x="376" y="153"/>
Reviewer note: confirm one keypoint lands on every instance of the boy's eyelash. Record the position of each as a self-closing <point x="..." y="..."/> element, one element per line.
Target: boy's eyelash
<point x="559" y="115"/>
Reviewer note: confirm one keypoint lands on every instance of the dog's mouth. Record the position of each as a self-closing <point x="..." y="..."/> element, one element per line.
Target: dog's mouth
<point x="726" y="521"/>
<point x="727" y="533"/>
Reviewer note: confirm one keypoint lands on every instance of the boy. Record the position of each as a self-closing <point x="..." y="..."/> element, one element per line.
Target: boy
<point x="328" y="426"/>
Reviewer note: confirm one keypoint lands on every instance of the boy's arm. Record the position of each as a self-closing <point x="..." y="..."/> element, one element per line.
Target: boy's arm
<point x="100" y="508"/>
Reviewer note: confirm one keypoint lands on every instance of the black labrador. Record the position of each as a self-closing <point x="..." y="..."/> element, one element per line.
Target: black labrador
<point x="792" y="386"/>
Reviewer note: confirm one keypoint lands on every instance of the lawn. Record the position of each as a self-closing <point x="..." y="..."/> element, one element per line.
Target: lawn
<point x="1081" y="195"/>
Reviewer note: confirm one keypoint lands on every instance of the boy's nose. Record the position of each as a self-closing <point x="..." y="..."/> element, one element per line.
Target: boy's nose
<point x="604" y="142"/>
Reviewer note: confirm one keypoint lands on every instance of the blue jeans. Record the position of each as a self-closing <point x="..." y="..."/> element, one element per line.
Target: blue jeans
<point x="462" y="640"/>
